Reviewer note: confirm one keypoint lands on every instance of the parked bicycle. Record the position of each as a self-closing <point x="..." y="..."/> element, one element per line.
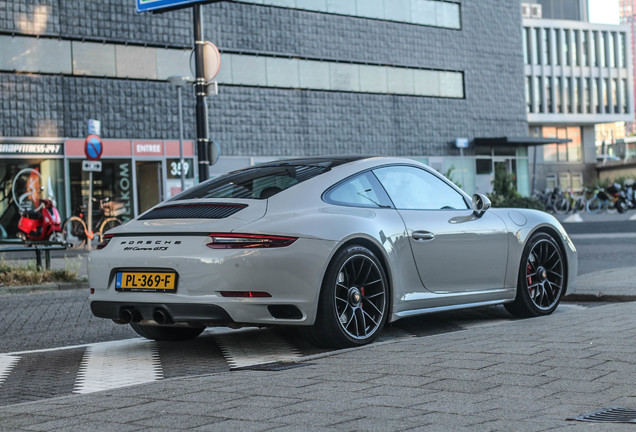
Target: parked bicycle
<point x="609" y="200"/>
<point x="75" y="229"/>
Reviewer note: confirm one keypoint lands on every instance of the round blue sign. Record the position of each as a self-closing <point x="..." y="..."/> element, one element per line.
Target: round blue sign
<point x="93" y="147"/>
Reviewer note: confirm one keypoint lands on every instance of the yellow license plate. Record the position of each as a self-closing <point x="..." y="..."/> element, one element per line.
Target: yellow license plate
<point x="146" y="281"/>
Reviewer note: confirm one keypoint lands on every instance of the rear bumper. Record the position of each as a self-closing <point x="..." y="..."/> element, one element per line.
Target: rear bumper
<point x="189" y="313"/>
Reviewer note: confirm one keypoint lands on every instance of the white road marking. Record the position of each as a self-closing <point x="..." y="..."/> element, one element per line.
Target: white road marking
<point x="111" y="365"/>
<point x="602" y="236"/>
<point x="633" y="218"/>
<point x="249" y="349"/>
<point x="575" y="217"/>
<point x="7" y="363"/>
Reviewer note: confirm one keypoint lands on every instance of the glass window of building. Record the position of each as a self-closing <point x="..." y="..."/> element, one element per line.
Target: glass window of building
<point x="557" y="47"/>
<point x="622" y="54"/>
<point x="564" y="181"/>
<point x="612" y="49"/>
<point x="550" y="182"/>
<point x="576" y="103"/>
<point x="548" y="94"/>
<point x="625" y="93"/>
<point x="575" y="48"/>
<point x="595" y="96"/>
<point x="549" y="150"/>
<point x="585" y="47"/>
<point x="574" y="146"/>
<point x="557" y="94"/>
<point x="527" y="53"/>
<point x="567" y="101"/>
<point x="577" y="182"/>
<point x="538" y="43"/>
<point x="566" y="47"/>
<point x="539" y="94"/>
<point x="546" y="47"/>
<point x="615" y="94"/>
<point x="586" y="95"/>
<point x="593" y="56"/>
<point x="601" y="50"/>
<point x="562" y="150"/>
<point x="606" y="105"/>
<point x="528" y="95"/>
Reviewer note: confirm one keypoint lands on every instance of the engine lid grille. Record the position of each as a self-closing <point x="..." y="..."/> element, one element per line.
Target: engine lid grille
<point x="193" y="211"/>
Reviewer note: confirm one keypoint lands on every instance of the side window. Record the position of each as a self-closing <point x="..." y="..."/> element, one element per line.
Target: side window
<point x="360" y="191"/>
<point x="414" y="188"/>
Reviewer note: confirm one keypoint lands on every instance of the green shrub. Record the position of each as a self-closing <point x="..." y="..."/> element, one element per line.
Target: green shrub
<point x="505" y="193"/>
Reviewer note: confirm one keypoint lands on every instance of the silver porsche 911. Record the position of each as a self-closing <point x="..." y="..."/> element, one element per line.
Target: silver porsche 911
<point x="337" y="245"/>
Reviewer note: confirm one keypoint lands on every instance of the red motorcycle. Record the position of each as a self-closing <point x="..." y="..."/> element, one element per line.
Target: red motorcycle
<point x="42" y="224"/>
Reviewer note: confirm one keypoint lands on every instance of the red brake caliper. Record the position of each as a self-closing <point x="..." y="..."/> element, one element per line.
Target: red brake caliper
<point x="528" y="272"/>
<point x="362" y="294"/>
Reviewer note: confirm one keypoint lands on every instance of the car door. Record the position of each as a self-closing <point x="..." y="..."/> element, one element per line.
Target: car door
<point x="454" y="250"/>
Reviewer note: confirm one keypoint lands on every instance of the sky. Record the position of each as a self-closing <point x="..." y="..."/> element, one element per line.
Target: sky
<point x="604" y="11"/>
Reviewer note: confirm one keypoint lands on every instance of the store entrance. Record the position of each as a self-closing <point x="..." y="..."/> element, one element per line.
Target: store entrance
<point x="149" y="185"/>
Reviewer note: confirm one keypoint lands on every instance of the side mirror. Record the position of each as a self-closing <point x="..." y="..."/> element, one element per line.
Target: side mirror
<point x="481" y="203"/>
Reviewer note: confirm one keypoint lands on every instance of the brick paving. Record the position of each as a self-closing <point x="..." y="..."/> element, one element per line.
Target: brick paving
<point x="526" y="375"/>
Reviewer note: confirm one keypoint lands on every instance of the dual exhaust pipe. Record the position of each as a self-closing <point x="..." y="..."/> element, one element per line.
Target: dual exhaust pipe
<point x="129" y="315"/>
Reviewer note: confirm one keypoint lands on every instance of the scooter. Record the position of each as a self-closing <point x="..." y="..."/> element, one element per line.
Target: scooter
<point x="41" y="224"/>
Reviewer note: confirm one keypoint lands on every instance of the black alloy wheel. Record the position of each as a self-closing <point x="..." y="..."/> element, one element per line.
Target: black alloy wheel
<point x="542" y="278"/>
<point x="353" y="303"/>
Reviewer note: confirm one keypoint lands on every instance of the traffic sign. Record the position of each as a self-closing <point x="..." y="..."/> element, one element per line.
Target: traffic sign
<point x="90" y="165"/>
<point x="93" y="147"/>
<point x="151" y="5"/>
<point x="94" y="127"/>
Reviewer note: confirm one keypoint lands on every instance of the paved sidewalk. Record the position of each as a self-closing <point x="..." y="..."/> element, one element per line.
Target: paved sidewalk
<point x="611" y="285"/>
<point x="526" y="375"/>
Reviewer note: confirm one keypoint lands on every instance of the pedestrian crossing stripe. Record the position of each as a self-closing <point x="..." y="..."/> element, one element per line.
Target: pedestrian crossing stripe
<point x="240" y="350"/>
<point x="7" y="363"/>
<point x="112" y="365"/>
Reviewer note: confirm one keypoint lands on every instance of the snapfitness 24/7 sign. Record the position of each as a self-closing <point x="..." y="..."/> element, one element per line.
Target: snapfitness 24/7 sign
<point x="153" y="5"/>
<point x="32" y="149"/>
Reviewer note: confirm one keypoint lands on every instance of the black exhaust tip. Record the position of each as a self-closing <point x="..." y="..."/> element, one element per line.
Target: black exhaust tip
<point x="128" y="315"/>
<point x="161" y="316"/>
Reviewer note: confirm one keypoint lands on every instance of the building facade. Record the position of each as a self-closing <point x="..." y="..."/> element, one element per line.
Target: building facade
<point x="577" y="75"/>
<point x="297" y="78"/>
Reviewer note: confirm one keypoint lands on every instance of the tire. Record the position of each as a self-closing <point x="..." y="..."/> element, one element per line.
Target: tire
<point x="562" y="206"/>
<point x="594" y="205"/>
<point x="354" y="300"/>
<point x="579" y="204"/>
<point x="56" y="236"/>
<point x="160" y="333"/>
<point x="74" y="232"/>
<point x="542" y="278"/>
<point x="107" y="225"/>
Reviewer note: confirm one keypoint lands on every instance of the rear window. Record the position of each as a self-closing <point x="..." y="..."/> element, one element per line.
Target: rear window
<point x="260" y="182"/>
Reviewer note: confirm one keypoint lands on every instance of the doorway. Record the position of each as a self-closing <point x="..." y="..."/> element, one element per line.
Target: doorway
<point x="149" y="185"/>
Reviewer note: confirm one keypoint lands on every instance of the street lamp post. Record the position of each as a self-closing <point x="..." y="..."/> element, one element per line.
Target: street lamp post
<point x="179" y="82"/>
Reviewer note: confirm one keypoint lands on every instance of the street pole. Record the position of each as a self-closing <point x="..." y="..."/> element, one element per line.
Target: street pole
<point x="181" y="161"/>
<point x="89" y="217"/>
<point x="200" y="90"/>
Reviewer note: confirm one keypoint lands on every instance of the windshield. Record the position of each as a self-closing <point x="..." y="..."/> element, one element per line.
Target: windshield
<point x="259" y="182"/>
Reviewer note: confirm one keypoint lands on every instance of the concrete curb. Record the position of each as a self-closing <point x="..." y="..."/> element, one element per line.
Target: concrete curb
<point x="599" y="297"/>
<point x="52" y="286"/>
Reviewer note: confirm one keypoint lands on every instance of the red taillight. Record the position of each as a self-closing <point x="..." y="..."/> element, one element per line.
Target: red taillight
<point x="245" y="294"/>
<point x="247" y="241"/>
<point x="105" y="241"/>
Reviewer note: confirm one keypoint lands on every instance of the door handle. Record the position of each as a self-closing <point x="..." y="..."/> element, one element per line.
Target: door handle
<point x="423" y="235"/>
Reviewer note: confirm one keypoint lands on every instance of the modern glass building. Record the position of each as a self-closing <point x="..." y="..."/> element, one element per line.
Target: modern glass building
<point x="577" y="74"/>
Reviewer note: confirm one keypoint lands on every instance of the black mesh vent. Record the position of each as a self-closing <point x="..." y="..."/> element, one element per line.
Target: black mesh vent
<point x="193" y="211"/>
<point x="609" y="415"/>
